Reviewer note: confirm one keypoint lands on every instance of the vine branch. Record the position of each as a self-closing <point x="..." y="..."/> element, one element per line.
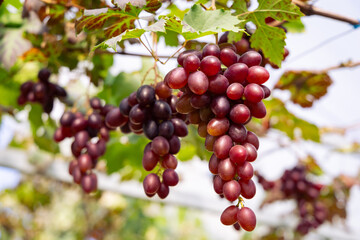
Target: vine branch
<point x="309" y="10"/>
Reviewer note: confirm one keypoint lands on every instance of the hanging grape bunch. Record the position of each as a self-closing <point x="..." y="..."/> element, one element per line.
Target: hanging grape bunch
<point x="90" y="132"/>
<point x="43" y="91"/>
<point x="152" y="111"/>
<point x="294" y="185"/>
<point x="221" y="102"/>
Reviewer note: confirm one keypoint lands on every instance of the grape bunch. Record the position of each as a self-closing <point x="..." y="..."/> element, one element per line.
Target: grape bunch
<point x="294" y="185"/>
<point x="151" y="111"/>
<point x="90" y="132"/>
<point x="43" y="91"/>
<point x="221" y="101"/>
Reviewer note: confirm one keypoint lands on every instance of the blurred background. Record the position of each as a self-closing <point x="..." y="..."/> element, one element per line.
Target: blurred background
<point x="316" y="127"/>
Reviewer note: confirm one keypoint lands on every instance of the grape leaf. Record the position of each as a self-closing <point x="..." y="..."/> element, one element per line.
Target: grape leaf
<point x="305" y="86"/>
<point x="112" y="42"/>
<point x="270" y="40"/>
<point x="280" y="118"/>
<point x="12" y="45"/>
<point x="118" y="21"/>
<point x="212" y="21"/>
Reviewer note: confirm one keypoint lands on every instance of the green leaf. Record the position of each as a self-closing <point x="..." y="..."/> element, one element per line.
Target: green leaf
<point x="125" y="155"/>
<point x="280" y="118"/>
<point x="305" y="86"/>
<point x="270" y="40"/>
<point x="200" y="22"/>
<point x="12" y="45"/>
<point x="294" y="26"/>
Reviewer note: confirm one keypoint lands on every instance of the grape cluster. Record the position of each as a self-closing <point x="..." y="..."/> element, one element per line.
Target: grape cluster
<point x="90" y="132"/>
<point x="242" y="46"/>
<point x="42" y="92"/>
<point x="294" y="185"/>
<point x="151" y="110"/>
<point x="221" y="101"/>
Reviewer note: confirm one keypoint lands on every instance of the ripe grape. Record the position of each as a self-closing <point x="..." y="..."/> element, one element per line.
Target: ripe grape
<point x="246" y="218"/>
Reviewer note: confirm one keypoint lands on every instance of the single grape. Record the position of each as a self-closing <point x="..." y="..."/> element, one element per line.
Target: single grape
<point x="209" y="142"/>
<point x="213" y="164"/>
<point x="266" y="90"/>
<point x="175" y="144"/>
<point x="81" y="138"/>
<point x="258" y="110"/>
<point x="166" y="129"/>
<point x="150" y="160"/>
<point x="228" y="56"/>
<point x="237" y="73"/>
<point x="254" y="93"/>
<point x="176" y="78"/>
<point x="218" y="184"/>
<point x="191" y="63"/>
<point x="222" y="146"/>
<point x="202" y="129"/>
<point x="89" y="183"/>
<point x="235" y="91"/>
<point x="252" y="153"/>
<point x="218" y="84"/>
<point x="245" y="171"/>
<point x="238" y="154"/>
<point x="252" y="139"/>
<point x="180" y="128"/>
<point x="183" y="104"/>
<point x="211" y="49"/>
<point x="227" y="45"/>
<point x="162" y="90"/>
<point x="137" y="114"/>
<point x="72" y="165"/>
<point x="231" y="190"/>
<point x="237" y="132"/>
<point x="84" y="162"/>
<point x="145" y="95"/>
<point x="210" y="65"/>
<point x="151" y="183"/>
<point x="218" y="126"/>
<point x="114" y="118"/>
<point x="227" y="169"/>
<point x="198" y="82"/>
<point x="169" y="161"/>
<point x="246" y="218"/>
<point x="77" y="175"/>
<point x="240" y="113"/>
<point x="250" y="58"/>
<point x="150" y="128"/>
<point x="258" y="75"/>
<point x="182" y="56"/>
<point x="95" y="103"/>
<point x="67" y="118"/>
<point x="94" y="121"/>
<point x="220" y="106"/>
<point x="160" y="146"/>
<point x="161" y="110"/>
<point x="248" y="188"/>
<point x="93" y="150"/>
<point x="170" y="177"/>
<point x="229" y="215"/>
<point x="242" y="46"/>
<point x="200" y="101"/>
<point x="163" y="191"/>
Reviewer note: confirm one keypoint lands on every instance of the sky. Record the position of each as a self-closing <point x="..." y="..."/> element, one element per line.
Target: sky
<point x="338" y="108"/>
